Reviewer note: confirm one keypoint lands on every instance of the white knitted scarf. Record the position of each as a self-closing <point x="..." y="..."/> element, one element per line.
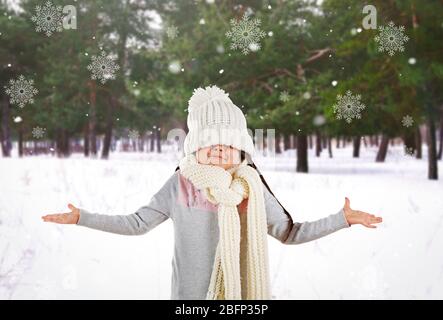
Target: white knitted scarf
<point x="228" y="188"/>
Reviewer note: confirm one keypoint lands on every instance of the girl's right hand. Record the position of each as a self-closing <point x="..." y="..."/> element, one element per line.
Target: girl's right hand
<point x="64" y="218"/>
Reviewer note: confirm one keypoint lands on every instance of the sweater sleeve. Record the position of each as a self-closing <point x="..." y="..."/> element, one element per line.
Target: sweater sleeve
<point x="146" y="218"/>
<point x="283" y="228"/>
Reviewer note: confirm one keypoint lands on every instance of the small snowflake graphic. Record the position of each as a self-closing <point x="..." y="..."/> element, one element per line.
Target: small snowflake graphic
<point x="409" y="151"/>
<point x="133" y="134"/>
<point x="391" y="38"/>
<point x="172" y="32"/>
<point x="284" y="96"/>
<point x="103" y="68"/>
<point x="407" y="121"/>
<point x="348" y="107"/>
<point x="21" y="91"/>
<point x="38" y="132"/>
<point x="245" y="34"/>
<point x="48" y="18"/>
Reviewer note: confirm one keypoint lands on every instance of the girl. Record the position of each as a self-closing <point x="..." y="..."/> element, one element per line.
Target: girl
<point x="221" y="207"/>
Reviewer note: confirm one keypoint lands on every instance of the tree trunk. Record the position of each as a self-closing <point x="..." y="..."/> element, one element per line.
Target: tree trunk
<point x="20" y="140"/>
<point x="337" y="142"/>
<point x="158" y="140"/>
<point x="418" y="143"/>
<point x="152" y="140"/>
<point x="109" y="125"/>
<point x="432" y="150"/>
<point x="310" y="141"/>
<point x="383" y="149"/>
<point x="440" y="148"/>
<point x="86" y="140"/>
<point x="409" y="141"/>
<point x="376" y="140"/>
<point x="92" y="118"/>
<point x="286" y="142"/>
<point x="302" y="153"/>
<point x="5" y="133"/>
<point x="277" y="144"/>
<point x="356" y="146"/>
<point x="317" y="144"/>
<point x="330" y="147"/>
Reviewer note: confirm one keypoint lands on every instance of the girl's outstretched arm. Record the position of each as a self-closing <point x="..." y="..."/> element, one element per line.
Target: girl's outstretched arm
<point x="283" y="228"/>
<point x="143" y="220"/>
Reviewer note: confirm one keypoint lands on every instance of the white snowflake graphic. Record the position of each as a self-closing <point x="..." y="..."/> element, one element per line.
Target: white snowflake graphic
<point x="407" y="121"/>
<point x="348" y="106"/>
<point x="284" y="96"/>
<point x="103" y="67"/>
<point x="245" y="34"/>
<point x="133" y="134"/>
<point x="48" y="18"/>
<point x="409" y="151"/>
<point x="391" y="38"/>
<point x="172" y="32"/>
<point x="38" y="132"/>
<point x="21" y="91"/>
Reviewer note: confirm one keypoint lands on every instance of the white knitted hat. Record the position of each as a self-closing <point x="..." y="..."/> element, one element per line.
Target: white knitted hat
<point x="214" y="119"/>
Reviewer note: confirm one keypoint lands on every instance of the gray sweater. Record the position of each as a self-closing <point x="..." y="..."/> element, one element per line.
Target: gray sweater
<point x="196" y="230"/>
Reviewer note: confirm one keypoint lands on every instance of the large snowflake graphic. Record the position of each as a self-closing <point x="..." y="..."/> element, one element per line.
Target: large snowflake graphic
<point x="133" y="134"/>
<point x="284" y="96"/>
<point x="38" y="132"/>
<point x="407" y="121"/>
<point x="245" y="34"/>
<point x="48" y="18"/>
<point x="21" y="91"/>
<point x="391" y="38"/>
<point x="172" y="32"/>
<point x="348" y="106"/>
<point x="103" y="68"/>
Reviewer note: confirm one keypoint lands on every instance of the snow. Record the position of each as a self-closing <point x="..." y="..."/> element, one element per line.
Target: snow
<point x="401" y="259"/>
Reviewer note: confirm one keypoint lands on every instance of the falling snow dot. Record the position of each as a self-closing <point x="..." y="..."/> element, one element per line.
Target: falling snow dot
<point x="221" y="71"/>
<point x="334" y="83"/>
<point x="174" y="67"/>
<point x="412" y="61"/>
<point x="307" y="95"/>
<point x="319" y="120"/>
<point x="297" y="113"/>
<point x="86" y="54"/>
<point x="182" y="69"/>
<point x="52" y="149"/>
<point x="353" y="31"/>
<point x="118" y="119"/>
<point x="254" y="47"/>
<point x="9" y="65"/>
<point x="210" y="1"/>
<point x="220" y="49"/>
<point x="202" y="21"/>
<point x="359" y="30"/>
<point x="330" y="30"/>
<point x="270" y="33"/>
<point x="269" y="7"/>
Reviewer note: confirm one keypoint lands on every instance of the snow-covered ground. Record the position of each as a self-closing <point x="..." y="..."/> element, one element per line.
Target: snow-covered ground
<point x="401" y="259"/>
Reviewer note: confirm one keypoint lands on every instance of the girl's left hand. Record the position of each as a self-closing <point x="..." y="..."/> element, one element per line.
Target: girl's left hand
<point x="355" y="216"/>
